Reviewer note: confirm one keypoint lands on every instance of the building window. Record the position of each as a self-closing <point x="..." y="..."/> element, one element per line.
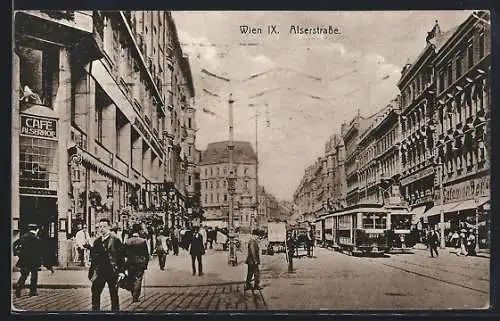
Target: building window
<point x="189" y="180"/>
<point x="38" y="74"/>
<point x="211" y="198"/>
<point x="458" y="66"/>
<point x="481" y="45"/>
<point x="206" y="198"/>
<point x="246" y="184"/>
<point x="217" y="184"/>
<point x="190" y="150"/>
<point x="225" y="197"/>
<point x="218" y="200"/>
<point x="211" y="185"/>
<point x="470" y="55"/>
<point x="211" y="172"/>
<point x="441" y="81"/>
<point x="450" y="75"/>
<point x="189" y="122"/>
<point x="218" y="171"/>
<point x="98" y="121"/>
<point x="206" y="172"/>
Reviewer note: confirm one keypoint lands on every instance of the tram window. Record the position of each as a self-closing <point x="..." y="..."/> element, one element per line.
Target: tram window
<point x="368" y="221"/>
<point x="400" y="222"/>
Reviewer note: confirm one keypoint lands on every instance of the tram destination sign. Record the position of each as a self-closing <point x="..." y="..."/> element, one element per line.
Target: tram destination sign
<point x="40" y="127"/>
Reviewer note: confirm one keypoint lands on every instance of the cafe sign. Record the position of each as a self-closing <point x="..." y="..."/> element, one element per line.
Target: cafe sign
<point x="466" y="190"/>
<point x="40" y="127"/>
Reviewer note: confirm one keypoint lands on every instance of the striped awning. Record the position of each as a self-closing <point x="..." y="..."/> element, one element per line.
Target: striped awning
<point x="101" y="167"/>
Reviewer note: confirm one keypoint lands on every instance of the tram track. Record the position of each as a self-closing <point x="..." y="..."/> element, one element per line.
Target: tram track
<point x="429" y="276"/>
<point x="441" y="269"/>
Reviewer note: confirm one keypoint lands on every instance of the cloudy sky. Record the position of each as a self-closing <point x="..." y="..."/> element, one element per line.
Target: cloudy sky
<point x="310" y="83"/>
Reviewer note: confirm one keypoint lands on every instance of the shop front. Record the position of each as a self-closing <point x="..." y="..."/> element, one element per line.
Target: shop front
<point x="38" y="175"/>
<point x="466" y="207"/>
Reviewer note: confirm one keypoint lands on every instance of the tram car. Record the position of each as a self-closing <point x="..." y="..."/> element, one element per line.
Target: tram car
<point x="362" y="230"/>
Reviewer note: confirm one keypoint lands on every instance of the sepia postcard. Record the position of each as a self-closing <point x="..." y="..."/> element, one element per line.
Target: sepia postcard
<point x="169" y="161"/>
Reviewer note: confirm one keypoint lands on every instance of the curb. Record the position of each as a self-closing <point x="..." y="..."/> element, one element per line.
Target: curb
<point x="451" y="251"/>
<point x="83" y="286"/>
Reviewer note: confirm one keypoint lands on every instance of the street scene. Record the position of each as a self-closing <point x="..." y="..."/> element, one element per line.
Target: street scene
<point x="250" y="161"/>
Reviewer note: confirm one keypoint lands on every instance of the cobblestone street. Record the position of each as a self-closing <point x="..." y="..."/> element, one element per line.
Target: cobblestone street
<point x="330" y="280"/>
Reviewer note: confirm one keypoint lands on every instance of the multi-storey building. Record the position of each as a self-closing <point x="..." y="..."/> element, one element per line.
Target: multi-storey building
<point x="417" y="103"/>
<point x="335" y="180"/>
<point x="462" y="68"/>
<point x="351" y="135"/>
<point x="379" y="158"/>
<point x="214" y="169"/>
<point x="91" y="111"/>
<point x="309" y="197"/>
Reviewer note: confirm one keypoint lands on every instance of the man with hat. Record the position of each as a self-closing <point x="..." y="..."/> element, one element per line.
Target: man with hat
<point x="29" y="249"/>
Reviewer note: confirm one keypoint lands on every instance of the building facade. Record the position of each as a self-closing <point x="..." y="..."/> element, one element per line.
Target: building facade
<point x="94" y="120"/>
<point x="214" y="169"/>
<point x="462" y="71"/>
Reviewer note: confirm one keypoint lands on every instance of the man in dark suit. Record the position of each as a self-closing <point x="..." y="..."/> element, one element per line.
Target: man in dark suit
<point x="107" y="266"/>
<point x="253" y="261"/>
<point x="196" y="249"/>
<point x="30" y="251"/>
<point x="433" y="242"/>
<point x="137" y="255"/>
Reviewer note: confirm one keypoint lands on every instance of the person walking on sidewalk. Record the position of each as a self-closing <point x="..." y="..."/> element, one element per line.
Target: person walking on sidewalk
<point x="253" y="261"/>
<point x="30" y="251"/>
<point x="203" y="234"/>
<point x="433" y="240"/>
<point x="196" y="250"/>
<point x="162" y="248"/>
<point x="176" y="236"/>
<point x="83" y="243"/>
<point x="107" y="266"/>
<point x="137" y="259"/>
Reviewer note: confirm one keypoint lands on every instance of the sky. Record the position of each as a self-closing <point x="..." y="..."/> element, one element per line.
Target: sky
<point x="303" y="87"/>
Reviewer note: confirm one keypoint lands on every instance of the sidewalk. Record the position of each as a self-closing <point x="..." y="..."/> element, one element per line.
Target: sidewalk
<point x="484" y="253"/>
<point x="177" y="273"/>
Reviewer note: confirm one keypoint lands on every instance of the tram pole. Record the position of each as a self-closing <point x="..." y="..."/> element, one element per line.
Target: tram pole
<point x="231" y="178"/>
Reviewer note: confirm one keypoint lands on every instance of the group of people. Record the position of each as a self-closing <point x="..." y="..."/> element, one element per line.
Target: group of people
<point x="464" y="242"/>
<point x="114" y="260"/>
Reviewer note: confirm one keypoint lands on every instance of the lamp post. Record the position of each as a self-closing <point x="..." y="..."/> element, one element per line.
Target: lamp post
<point x="231" y="178"/>
<point x="441" y="208"/>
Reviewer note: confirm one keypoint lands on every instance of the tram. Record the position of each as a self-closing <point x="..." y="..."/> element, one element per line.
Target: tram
<point x="363" y="229"/>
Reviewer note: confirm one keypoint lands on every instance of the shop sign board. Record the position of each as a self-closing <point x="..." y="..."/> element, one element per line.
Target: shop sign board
<point x="40" y="127"/>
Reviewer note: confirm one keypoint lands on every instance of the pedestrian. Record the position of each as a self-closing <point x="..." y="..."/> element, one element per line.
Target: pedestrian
<point x="203" y="234"/>
<point x="310" y="242"/>
<point x="471" y="243"/>
<point x="463" y="243"/>
<point x="210" y="237"/>
<point x="196" y="250"/>
<point x="29" y="249"/>
<point x="455" y="241"/>
<point x="137" y="259"/>
<point x="176" y="236"/>
<point x="162" y="248"/>
<point x="253" y="261"/>
<point x="107" y="266"/>
<point x="82" y="240"/>
<point x="290" y="244"/>
<point x="433" y="240"/>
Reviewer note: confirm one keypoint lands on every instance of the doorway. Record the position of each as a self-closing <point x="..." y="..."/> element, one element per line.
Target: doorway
<point x="43" y="212"/>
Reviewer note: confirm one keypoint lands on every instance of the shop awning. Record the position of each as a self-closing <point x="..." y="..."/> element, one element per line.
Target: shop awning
<point x="100" y="166"/>
<point x="436" y="210"/>
<point x="470" y="204"/>
<point x="418" y="212"/>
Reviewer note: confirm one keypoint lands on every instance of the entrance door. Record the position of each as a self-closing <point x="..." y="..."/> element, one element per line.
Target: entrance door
<point x="43" y="212"/>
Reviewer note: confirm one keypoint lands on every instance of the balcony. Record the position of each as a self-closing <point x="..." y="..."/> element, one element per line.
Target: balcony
<point x="78" y="137"/>
<point x="121" y="166"/>
<point x="81" y="20"/>
<point x="103" y="154"/>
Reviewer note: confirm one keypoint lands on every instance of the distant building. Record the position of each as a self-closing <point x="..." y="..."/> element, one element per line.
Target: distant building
<point x="213" y="178"/>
